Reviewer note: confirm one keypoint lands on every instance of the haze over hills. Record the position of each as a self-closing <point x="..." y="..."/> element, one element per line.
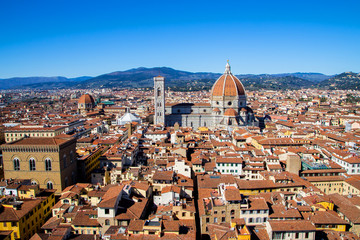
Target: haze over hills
<point x="15" y="82"/>
<point x="183" y="80"/>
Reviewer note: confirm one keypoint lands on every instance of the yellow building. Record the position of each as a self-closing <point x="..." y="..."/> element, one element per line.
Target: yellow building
<point x="243" y="233"/>
<point x="24" y="217"/>
<point x="328" y="184"/>
<point x="325" y="220"/>
<point x="48" y="162"/>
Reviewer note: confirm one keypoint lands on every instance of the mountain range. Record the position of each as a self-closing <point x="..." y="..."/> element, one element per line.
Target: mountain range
<point x="183" y="80"/>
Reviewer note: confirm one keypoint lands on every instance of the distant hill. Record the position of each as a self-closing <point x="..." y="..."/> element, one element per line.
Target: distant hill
<point x="22" y="81"/>
<point x="343" y="81"/>
<point x="271" y="82"/>
<point x="143" y="77"/>
<point x="183" y="81"/>
<point x="175" y="79"/>
<point x="313" y="77"/>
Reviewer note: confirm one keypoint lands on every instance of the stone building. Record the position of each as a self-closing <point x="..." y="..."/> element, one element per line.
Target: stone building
<point x="49" y="162"/>
<point x="86" y="104"/>
<point x="227" y="108"/>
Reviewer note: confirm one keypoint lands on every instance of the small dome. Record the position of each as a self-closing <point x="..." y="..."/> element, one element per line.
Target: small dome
<point x="227" y="85"/>
<point x="87" y="99"/>
<point x="216" y="110"/>
<point x="230" y="112"/>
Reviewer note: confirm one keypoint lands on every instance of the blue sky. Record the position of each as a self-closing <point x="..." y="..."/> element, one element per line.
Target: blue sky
<point x="76" y="38"/>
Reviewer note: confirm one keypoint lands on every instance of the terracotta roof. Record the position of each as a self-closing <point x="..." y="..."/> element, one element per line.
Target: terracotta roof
<point x="230" y="112"/>
<point x="87" y="99"/>
<point x="136" y="225"/>
<point x="232" y="194"/>
<point x="291" y="225"/>
<point x="227" y="85"/>
<point x="110" y="197"/>
<point x="346" y="207"/>
<point x="83" y="219"/>
<point x="9" y="214"/>
<point x="163" y="175"/>
<point x="39" y="141"/>
<point x="171" y="226"/>
<point x="327" y="217"/>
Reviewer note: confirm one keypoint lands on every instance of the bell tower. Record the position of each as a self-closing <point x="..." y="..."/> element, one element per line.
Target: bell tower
<point x="159" y="100"/>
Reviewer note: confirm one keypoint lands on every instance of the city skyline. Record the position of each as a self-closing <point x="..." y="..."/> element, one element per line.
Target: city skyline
<point x="89" y="38"/>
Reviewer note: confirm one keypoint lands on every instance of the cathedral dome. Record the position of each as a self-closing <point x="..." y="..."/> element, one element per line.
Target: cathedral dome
<point x="86" y="99"/>
<point x="227" y="85"/>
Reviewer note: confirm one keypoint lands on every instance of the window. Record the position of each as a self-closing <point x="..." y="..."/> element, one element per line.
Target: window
<point x="16" y="164"/>
<point x="107" y="211"/>
<point x="296" y="235"/>
<point x="277" y="235"/>
<point x="306" y="235"/>
<point x="229" y="103"/>
<point x="107" y="221"/>
<point x="215" y="219"/>
<point x="223" y="219"/>
<point x="207" y="220"/>
<point x="71" y="156"/>
<point x="32" y="166"/>
<point x="49" y="185"/>
<point x="73" y="177"/>
<point x="48" y="164"/>
<point x="64" y="160"/>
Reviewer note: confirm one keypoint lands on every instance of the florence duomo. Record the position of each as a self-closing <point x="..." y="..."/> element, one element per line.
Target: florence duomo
<point x="227" y="107"/>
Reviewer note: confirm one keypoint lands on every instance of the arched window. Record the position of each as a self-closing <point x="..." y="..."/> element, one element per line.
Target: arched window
<point x="107" y="222"/>
<point x="158" y="92"/>
<point x="232" y="212"/>
<point x="49" y="185"/>
<point x="34" y="182"/>
<point x="32" y="166"/>
<point x="16" y="164"/>
<point x="48" y="164"/>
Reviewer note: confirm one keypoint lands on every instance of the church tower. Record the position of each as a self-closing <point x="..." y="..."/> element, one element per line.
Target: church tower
<point x="159" y="100"/>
